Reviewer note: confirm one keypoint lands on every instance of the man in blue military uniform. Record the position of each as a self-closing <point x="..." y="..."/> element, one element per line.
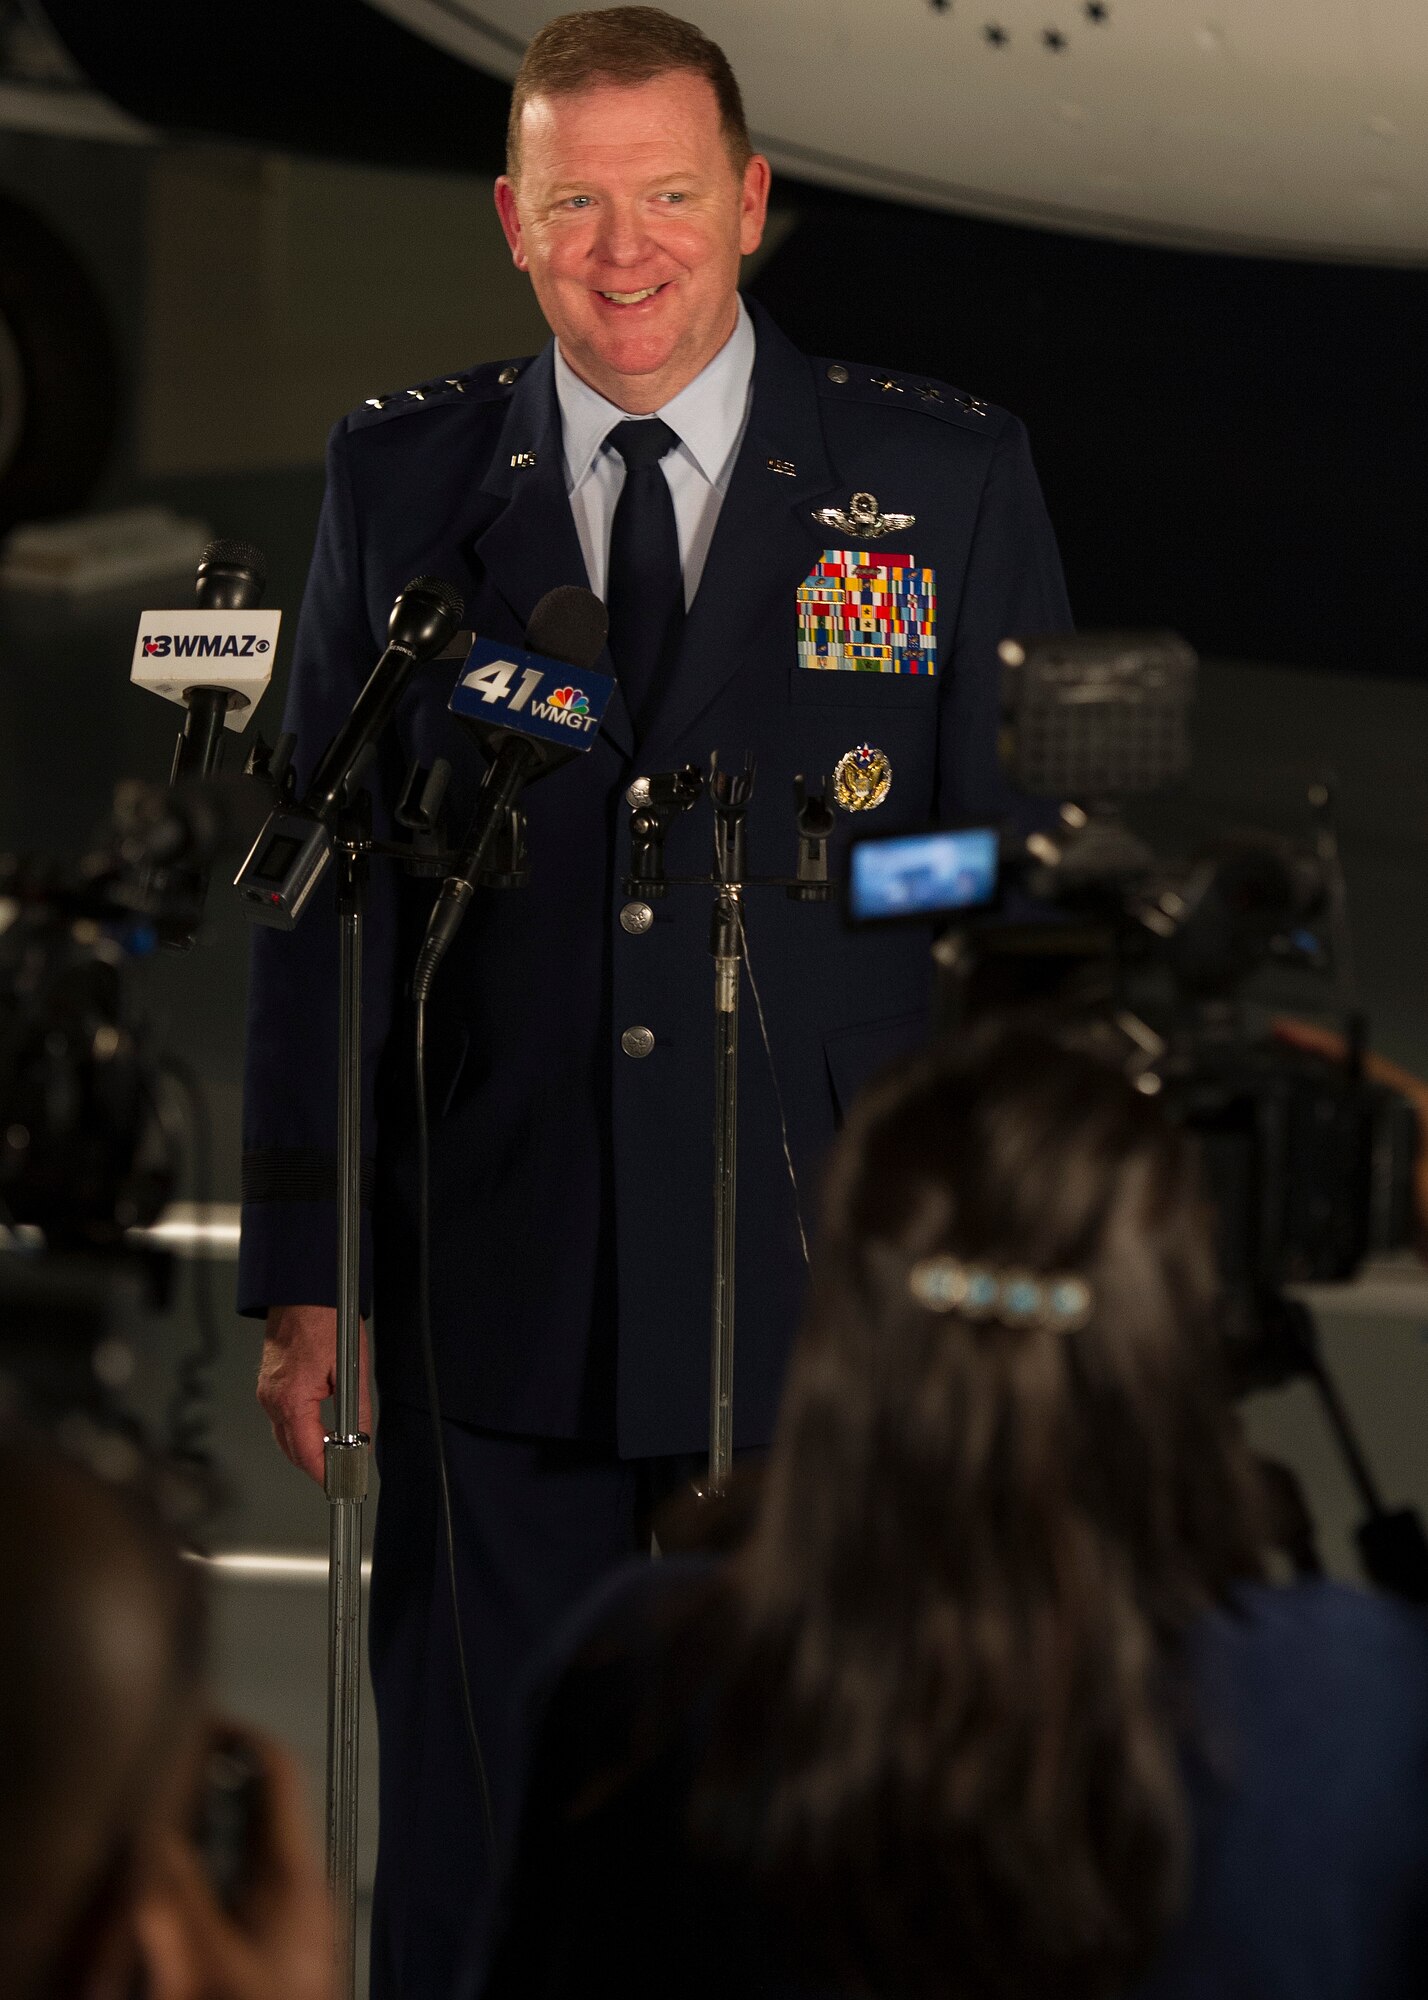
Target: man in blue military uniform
<point x="810" y="562"/>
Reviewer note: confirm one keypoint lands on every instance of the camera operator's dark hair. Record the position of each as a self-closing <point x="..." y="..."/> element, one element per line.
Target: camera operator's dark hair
<point x="952" y="1719"/>
<point x="99" y="1687"/>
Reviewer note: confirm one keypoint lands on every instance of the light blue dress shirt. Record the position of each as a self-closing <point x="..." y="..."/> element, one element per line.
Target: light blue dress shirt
<point x="709" y="416"/>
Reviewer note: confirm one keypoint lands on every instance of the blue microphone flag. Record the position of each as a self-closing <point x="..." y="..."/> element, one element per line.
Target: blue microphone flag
<point x="505" y="687"/>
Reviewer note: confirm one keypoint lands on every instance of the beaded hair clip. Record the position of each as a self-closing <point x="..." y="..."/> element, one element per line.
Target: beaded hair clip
<point x="1015" y="1298"/>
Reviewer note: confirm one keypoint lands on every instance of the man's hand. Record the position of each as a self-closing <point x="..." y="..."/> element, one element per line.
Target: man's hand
<point x="297" y="1371"/>
<point x="278" y="1945"/>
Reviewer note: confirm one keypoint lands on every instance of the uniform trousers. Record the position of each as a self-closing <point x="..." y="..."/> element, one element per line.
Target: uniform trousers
<point x="538" y="1522"/>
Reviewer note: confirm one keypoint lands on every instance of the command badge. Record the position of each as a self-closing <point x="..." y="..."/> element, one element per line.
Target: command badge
<point x="862" y="779"/>
<point x="864" y="517"/>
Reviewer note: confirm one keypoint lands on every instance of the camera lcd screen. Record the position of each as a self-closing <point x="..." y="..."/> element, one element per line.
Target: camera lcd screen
<point x="278" y="856"/>
<point x="922" y="874"/>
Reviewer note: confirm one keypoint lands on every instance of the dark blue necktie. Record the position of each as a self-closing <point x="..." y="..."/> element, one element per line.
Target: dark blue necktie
<point x="644" y="589"/>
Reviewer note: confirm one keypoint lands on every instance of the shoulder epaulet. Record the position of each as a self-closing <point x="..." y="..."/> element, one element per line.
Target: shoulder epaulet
<point x="488" y="382"/>
<point x="848" y="381"/>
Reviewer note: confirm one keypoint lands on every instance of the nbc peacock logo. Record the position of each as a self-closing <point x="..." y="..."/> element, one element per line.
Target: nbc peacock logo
<point x="570" y="707"/>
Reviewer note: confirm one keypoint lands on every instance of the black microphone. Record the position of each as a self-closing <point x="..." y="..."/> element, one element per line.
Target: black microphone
<point x="231" y="577"/>
<point x="528" y="724"/>
<point x="291" y="854"/>
<point x="423" y="618"/>
<point x="215" y="661"/>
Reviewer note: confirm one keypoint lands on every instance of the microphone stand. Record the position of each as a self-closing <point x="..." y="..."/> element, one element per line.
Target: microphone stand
<point x="730" y="793"/>
<point x="347" y="1451"/>
<point x="657" y="801"/>
<point x="347" y="1448"/>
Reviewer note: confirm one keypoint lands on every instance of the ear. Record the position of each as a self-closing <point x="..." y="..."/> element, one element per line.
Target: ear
<point x="506" y="208"/>
<point x="754" y="203"/>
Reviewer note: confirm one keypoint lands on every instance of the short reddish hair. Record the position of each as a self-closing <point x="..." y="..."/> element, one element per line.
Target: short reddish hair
<point x="624" y="45"/>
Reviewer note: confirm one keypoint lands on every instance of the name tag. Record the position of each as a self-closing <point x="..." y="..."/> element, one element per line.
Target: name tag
<point x="868" y="614"/>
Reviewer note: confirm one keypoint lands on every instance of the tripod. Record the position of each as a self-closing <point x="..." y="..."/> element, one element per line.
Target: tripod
<point x="1283" y="1345"/>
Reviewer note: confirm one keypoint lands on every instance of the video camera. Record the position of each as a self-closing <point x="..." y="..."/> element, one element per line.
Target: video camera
<point x="83" y="1152"/>
<point x="1162" y="965"/>
<point x="1309" y="1164"/>
<point x="92" y="1118"/>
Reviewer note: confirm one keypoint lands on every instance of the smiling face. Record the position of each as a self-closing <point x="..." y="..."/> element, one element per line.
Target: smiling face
<point x="630" y="217"/>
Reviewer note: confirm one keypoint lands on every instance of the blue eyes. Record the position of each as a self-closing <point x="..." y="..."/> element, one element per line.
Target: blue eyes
<point x="583" y="201"/>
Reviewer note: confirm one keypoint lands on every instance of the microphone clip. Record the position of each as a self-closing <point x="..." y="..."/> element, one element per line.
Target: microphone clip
<point x="419" y="813"/>
<point x="731" y="792"/>
<point x="426" y="851"/>
<point x="273" y="765"/>
<point x="656" y="803"/>
<point x="509" y="864"/>
<point x="815" y="821"/>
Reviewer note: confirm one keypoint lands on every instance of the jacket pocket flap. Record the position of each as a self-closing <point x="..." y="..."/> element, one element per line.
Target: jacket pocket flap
<point x="856" y="1055"/>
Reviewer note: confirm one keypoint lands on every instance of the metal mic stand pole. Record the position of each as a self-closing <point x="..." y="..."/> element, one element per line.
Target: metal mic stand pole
<point x="730" y="793"/>
<point x="657" y="801"/>
<point x="346" y="1450"/>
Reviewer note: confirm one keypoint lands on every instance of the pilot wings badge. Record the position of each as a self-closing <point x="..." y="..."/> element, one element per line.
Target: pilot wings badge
<point x="864" y="519"/>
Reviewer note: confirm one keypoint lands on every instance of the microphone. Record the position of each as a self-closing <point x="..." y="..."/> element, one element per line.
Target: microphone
<point x="423" y="618"/>
<point x="214" y="661"/>
<point x="529" y="718"/>
<point x="290" y="855"/>
<point x="231" y="576"/>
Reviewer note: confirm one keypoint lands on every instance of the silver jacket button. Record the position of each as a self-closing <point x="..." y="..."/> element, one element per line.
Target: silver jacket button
<point x="636" y="918"/>
<point x="507" y="376"/>
<point x="638" y="794"/>
<point x="637" y="1041"/>
<point x="837" y="372"/>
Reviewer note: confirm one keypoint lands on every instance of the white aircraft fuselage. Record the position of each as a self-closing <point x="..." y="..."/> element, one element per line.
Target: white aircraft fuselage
<point x="1293" y="128"/>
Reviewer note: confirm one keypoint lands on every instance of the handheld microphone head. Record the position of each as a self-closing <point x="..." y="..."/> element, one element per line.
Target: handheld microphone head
<point x="530" y="717"/>
<point x="570" y="624"/>
<point x="231" y="576"/>
<point x="214" y="659"/>
<point x="424" y="617"/>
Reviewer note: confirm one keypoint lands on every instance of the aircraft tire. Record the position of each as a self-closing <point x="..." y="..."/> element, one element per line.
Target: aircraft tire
<point x="59" y="372"/>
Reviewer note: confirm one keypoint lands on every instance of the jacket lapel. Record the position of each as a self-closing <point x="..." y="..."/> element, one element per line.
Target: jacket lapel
<point x="526" y="543"/>
<point x="764" y="544"/>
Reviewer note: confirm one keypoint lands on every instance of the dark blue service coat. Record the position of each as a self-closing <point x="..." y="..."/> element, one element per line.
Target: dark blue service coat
<point x="572" y="1203"/>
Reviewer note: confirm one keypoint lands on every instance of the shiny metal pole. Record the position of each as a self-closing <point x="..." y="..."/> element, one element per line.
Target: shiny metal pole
<point x="727" y="945"/>
<point x="730" y="792"/>
<point x="346" y="1450"/>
